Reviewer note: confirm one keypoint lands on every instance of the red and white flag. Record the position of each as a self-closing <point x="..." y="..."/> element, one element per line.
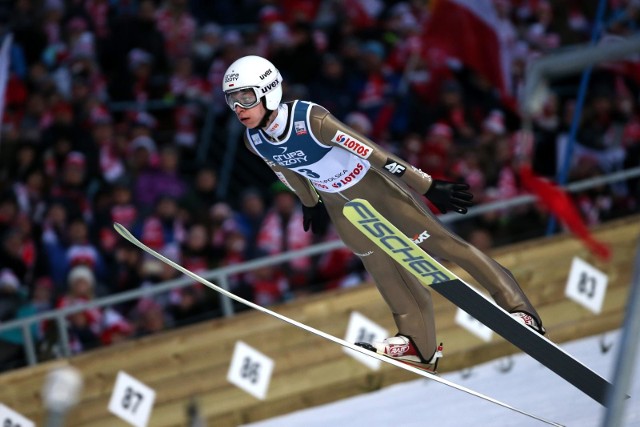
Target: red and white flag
<point x="471" y="32"/>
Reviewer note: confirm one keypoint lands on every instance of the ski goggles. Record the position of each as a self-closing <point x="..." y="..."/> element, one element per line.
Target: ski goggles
<point x="245" y="98"/>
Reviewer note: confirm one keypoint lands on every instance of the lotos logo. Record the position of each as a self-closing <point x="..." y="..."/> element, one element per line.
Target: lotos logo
<point x="231" y="77"/>
<point x="270" y="86"/>
<point x="351" y="144"/>
<point x="266" y="74"/>
<point x="347" y="179"/>
<point x="398" y="350"/>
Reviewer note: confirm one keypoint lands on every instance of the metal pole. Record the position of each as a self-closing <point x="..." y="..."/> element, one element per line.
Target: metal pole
<point x="29" y="349"/>
<point x="63" y="335"/>
<point x="577" y="114"/>
<point x="227" y="305"/>
<point x="625" y="364"/>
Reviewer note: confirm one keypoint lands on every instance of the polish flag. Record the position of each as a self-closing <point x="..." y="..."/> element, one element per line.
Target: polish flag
<point x="563" y="208"/>
<point x="471" y="32"/>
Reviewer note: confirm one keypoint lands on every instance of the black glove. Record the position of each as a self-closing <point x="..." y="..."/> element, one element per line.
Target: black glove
<point x="449" y="196"/>
<point x="316" y="218"/>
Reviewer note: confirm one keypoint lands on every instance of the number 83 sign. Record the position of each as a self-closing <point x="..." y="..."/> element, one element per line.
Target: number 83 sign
<point x="586" y="285"/>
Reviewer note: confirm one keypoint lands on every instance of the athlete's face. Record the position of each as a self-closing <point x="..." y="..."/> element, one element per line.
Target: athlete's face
<point x="250" y="117"/>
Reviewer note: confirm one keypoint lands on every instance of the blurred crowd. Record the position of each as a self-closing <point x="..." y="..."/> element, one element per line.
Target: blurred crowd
<point x="105" y="104"/>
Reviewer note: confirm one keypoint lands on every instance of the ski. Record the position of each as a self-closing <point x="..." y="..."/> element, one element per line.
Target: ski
<point x="128" y="236"/>
<point x="434" y="275"/>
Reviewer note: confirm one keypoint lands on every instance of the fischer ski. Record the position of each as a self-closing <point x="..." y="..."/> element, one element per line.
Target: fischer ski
<point x="128" y="236"/>
<point x="435" y="276"/>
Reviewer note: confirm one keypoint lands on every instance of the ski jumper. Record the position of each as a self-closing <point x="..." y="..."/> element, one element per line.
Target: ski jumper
<point x="318" y="156"/>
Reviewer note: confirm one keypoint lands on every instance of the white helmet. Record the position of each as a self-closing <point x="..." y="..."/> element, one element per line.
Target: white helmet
<point x="255" y="73"/>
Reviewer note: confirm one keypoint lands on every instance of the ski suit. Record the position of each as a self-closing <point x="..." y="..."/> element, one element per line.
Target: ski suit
<point x="318" y="156"/>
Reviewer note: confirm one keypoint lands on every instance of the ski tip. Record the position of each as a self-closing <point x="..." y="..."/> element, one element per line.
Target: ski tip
<point x="122" y="230"/>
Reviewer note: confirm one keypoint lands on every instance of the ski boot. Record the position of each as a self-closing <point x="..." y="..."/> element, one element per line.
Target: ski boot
<point x="402" y="349"/>
<point x="528" y="320"/>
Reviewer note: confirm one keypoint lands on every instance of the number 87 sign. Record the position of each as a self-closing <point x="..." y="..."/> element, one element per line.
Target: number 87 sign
<point x="131" y="400"/>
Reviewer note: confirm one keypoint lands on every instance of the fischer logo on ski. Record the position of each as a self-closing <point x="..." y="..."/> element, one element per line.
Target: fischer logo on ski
<point x="397" y="245"/>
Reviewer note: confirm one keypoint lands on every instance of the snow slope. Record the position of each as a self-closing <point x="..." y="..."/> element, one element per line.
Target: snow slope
<point x="518" y="381"/>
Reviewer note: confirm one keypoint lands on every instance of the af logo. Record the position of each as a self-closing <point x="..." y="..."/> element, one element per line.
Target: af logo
<point x="394" y="167"/>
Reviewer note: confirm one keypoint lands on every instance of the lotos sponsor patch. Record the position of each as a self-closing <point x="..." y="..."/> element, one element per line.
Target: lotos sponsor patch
<point x="351" y="144"/>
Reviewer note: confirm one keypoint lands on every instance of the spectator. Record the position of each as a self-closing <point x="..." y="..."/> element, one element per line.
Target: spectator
<point x="333" y="87"/>
<point x="206" y="47"/>
<point x="81" y="251"/>
<point x="9" y="210"/>
<point x="11" y="342"/>
<point x="133" y="31"/>
<point x="54" y="241"/>
<point x="162" y="228"/>
<point x="31" y="195"/>
<point x="177" y="25"/>
<point x="376" y="95"/>
<point x="143" y="153"/>
<point x="222" y="220"/>
<point x="12" y="253"/>
<point x="85" y="326"/>
<point x="201" y="195"/>
<point x="164" y="180"/>
<point x="71" y="187"/>
<point x="191" y="91"/>
<point x="150" y="318"/>
<point x="250" y="218"/>
<point x="268" y="284"/>
<point x="128" y="264"/>
<point x="115" y="328"/>
<point x="280" y="232"/>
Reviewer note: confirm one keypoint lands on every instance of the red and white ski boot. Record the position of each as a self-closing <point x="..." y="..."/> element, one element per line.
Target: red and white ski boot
<point x="528" y="320"/>
<point x="401" y="348"/>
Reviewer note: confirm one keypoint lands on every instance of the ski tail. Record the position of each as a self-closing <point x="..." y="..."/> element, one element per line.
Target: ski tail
<point x="132" y="239"/>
